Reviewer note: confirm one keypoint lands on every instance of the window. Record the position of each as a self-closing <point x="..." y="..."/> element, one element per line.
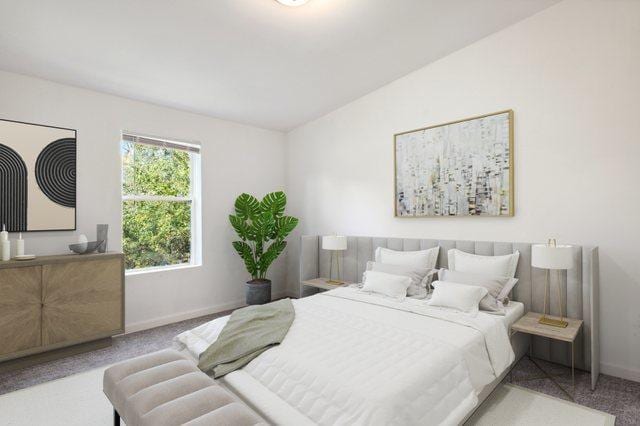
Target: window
<point x="160" y="203"/>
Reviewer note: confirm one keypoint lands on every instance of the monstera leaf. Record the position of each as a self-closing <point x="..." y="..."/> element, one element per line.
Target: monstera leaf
<point x="271" y="254"/>
<point x="245" y="252"/>
<point x="240" y="226"/>
<point x="247" y="206"/>
<point x="284" y="226"/>
<point x="275" y="203"/>
<point x="261" y="224"/>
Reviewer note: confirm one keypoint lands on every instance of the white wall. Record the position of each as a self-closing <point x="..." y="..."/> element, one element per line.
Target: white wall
<point x="235" y="159"/>
<point x="572" y="75"/>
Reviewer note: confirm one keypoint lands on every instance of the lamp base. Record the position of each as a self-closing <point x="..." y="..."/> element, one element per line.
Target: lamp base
<point x="553" y="322"/>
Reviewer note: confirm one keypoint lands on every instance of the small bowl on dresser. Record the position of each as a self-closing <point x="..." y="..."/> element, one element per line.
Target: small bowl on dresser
<point x="86" y="248"/>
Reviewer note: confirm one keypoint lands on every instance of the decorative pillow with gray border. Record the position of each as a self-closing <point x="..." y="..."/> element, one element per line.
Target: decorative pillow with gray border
<point x="498" y="287"/>
<point x="420" y="277"/>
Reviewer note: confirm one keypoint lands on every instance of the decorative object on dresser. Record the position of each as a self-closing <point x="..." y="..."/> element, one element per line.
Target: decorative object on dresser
<point x="24" y="257"/>
<point x="335" y="244"/>
<point x="56" y="302"/>
<point x="45" y="156"/>
<point x="102" y="234"/>
<point x="19" y="246"/>
<point x="82" y="242"/>
<point x="5" y="244"/>
<point x="557" y="258"/>
<point x="20" y="250"/>
<point x="86" y="248"/>
<point x="262" y="227"/>
<point x="461" y="168"/>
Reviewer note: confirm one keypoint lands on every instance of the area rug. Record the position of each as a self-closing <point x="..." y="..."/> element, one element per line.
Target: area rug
<point x="78" y="400"/>
<point x="71" y="401"/>
<point x="514" y="405"/>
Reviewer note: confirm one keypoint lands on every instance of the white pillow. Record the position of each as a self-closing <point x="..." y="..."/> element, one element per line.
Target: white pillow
<point x="416" y="259"/>
<point x="495" y="266"/>
<point x="420" y="277"/>
<point x="503" y="297"/>
<point x="494" y="285"/>
<point x="461" y="297"/>
<point x="388" y="284"/>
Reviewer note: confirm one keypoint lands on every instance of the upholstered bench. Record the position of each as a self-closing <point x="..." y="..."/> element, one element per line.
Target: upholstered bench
<point x="166" y="388"/>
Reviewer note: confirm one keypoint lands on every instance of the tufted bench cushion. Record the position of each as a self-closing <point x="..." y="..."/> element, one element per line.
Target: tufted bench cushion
<point x="165" y="388"/>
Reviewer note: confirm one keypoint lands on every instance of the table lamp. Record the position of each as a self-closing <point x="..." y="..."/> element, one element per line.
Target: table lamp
<point x="335" y="243"/>
<point x="555" y="257"/>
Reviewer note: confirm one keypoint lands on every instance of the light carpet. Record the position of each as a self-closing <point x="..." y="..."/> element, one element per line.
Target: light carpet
<point x="71" y="401"/>
<point x="78" y="400"/>
<point x="514" y="405"/>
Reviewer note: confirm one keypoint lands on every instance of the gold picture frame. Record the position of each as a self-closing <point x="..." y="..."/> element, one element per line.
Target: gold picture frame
<point x="476" y="205"/>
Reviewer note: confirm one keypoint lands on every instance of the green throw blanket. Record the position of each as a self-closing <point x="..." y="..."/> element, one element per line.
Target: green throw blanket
<point x="249" y="332"/>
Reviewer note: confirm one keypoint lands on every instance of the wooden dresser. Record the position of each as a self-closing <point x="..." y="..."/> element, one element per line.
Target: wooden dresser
<point x="54" y="302"/>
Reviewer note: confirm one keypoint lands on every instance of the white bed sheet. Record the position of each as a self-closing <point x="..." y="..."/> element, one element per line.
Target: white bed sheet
<point x="513" y="312"/>
<point x="323" y="372"/>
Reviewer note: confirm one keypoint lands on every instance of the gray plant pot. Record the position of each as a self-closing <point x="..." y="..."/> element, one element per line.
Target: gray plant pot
<point x="258" y="292"/>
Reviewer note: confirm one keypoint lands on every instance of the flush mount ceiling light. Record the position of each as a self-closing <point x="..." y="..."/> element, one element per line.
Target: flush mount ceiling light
<point x="292" y="2"/>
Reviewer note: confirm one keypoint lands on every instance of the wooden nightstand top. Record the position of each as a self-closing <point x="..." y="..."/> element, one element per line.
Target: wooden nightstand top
<point x="529" y="324"/>
<point x="323" y="283"/>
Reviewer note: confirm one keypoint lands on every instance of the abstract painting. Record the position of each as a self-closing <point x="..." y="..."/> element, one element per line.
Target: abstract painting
<point x="37" y="177"/>
<point x="462" y="168"/>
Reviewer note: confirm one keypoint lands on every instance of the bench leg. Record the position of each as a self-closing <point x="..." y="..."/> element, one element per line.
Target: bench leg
<point x="116" y="418"/>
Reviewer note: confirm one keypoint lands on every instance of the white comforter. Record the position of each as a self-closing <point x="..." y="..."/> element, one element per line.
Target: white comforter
<point x="351" y="358"/>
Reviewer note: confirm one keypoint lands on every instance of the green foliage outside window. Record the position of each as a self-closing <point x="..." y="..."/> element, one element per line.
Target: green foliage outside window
<point x="151" y="170"/>
<point x="156" y="232"/>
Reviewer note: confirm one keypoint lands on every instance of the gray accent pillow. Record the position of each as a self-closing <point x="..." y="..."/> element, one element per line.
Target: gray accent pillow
<point x="494" y="285"/>
<point x="420" y="277"/>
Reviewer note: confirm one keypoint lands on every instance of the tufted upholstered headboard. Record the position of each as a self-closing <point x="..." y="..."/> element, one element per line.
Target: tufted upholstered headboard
<point x="581" y="297"/>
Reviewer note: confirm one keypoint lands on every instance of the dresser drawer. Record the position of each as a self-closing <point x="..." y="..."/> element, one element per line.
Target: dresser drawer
<point x="20" y="301"/>
<point x="81" y="300"/>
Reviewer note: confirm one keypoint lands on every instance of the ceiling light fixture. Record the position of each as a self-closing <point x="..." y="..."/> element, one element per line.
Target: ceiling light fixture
<point x="292" y="2"/>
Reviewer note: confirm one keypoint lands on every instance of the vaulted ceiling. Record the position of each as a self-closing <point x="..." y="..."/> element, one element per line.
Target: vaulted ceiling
<point x="252" y="61"/>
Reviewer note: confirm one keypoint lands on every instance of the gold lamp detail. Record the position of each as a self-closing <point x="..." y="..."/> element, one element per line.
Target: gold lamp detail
<point x="552" y="256"/>
<point x="336" y="244"/>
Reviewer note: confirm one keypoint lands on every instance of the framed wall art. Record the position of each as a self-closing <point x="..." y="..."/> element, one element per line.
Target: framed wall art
<point x="37" y="177"/>
<point x="461" y="168"/>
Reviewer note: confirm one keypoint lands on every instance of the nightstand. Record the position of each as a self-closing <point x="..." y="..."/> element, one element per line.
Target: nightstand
<point x="529" y="324"/>
<point x="319" y="284"/>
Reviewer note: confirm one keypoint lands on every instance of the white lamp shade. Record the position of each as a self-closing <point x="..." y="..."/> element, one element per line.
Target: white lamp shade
<point x="551" y="257"/>
<point x="334" y="242"/>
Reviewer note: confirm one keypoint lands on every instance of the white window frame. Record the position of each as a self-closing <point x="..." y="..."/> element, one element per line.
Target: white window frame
<point x="195" y="153"/>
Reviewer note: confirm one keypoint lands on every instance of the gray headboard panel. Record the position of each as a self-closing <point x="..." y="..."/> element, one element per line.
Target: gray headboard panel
<point x="581" y="290"/>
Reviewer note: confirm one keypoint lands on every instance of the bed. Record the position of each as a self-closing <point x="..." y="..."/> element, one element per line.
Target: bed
<point x="354" y="358"/>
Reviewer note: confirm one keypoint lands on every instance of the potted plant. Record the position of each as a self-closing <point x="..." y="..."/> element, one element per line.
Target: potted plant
<point x="262" y="227"/>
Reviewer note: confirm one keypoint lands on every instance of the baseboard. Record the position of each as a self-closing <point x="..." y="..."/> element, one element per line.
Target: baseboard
<point x="53" y="354"/>
<point x="182" y="316"/>
<point x="619" y="371"/>
<point x="285" y="294"/>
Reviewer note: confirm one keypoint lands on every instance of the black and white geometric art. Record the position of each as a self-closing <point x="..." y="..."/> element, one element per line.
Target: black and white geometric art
<point x="56" y="171"/>
<point x="13" y="189"/>
<point x="37" y="177"/>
